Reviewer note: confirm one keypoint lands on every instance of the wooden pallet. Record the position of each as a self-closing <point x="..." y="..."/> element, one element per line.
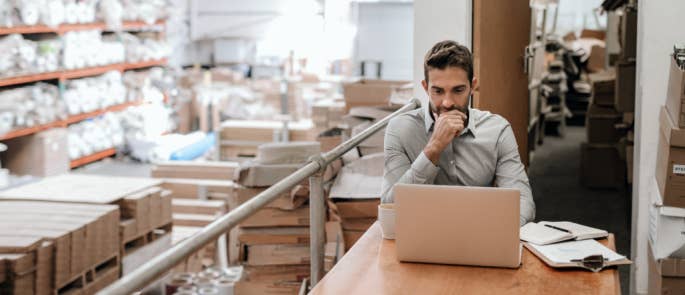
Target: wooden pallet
<point x="132" y="244"/>
<point x="93" y="279"/>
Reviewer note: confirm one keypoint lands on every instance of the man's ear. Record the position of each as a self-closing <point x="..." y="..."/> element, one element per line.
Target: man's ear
<point x="425" y="85"/>
<point x="474" y="84"/>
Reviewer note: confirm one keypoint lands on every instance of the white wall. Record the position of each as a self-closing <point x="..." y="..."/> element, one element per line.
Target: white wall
<point x="384" y="33"/>
<point x="434" y="21"/>
<point x="659" y="27"/>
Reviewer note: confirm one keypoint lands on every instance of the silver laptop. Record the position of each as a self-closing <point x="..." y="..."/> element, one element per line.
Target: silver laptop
<point x="457" y="225"/>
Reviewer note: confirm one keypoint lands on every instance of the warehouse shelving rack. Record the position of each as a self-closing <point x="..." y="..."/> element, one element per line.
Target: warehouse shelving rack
<point x="64" y="75"/>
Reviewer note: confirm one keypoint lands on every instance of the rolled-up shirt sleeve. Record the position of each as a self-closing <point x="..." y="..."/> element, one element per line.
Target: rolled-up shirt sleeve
<point x="511" y="173"/>
<point x="398" y="166"/>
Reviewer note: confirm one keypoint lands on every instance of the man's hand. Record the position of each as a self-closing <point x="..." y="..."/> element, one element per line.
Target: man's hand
<point x="447" y="126"/>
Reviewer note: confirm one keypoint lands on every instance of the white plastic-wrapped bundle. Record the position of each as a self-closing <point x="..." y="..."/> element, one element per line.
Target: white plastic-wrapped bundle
<point x="90" y="94"/>
<point x="71" y="11"/>
<point x="95" y="135"/>
<point x="111" y="11"/>
<point x="29" y="106"/>
<point x="141" y="85"/>
<point x="148" y="11"/>
<point x="48" y="56"/>
<point x="29" y="11"/>
<point x="8" y="16"/>
<point x="87" y="49"/>
<point x="144" y="49"/>
<point x="146" y="120"/>
<point x="52" y="13"/>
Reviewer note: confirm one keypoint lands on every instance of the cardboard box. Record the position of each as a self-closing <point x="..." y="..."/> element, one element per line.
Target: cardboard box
<point x="355" y="208"/>
<point x="675" y="96"/>
<point x="625" y="86"/>
<point x="670" y="162"/>
<point x="603" y="87"/>
<point x="266" y="131"/>
<point x="272" y="279"/>
<point x="253" y="174"/>
<point x="217" y="170"/>
<point x="597" y="60"/>
<point x="41" y="154"/>
<point x="666" y="276"/>
<point x="629" y="33"/>
<point x="601" y="125"/>
<point x="273" y="235"/>
<point x="289" y="200"/>
<point x="258" y="255"/>
<point x="268" y="217"/>
<point x="595" y="34"/>
<point x="601" y="166"/>
<point x="199" y="188"/>
<point x="369" y="92"/>
<point x="351" y="237"/>
<point x="330" y="138"/>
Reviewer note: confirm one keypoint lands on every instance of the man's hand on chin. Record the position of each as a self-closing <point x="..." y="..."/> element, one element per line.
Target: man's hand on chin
<point x="448" y="125"/>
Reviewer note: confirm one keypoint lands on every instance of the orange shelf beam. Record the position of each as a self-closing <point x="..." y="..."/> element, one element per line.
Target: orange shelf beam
<point x="64" y="123"/>
<point x="92" y="158"/>
<point x="80" y="73"/>
<point x="64" y="28"/>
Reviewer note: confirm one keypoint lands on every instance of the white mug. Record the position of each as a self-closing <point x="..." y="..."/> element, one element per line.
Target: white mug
<point x="386" y="217"/>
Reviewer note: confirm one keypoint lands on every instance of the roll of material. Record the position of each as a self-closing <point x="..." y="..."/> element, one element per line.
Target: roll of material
<point x="194" y="151"/>
<point x="225" y="286"/>
<point x="203" y="282"/>
<point x="208" y="291"/>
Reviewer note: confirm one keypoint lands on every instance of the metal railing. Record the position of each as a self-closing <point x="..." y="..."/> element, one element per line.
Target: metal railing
<point x="313" y="170"/>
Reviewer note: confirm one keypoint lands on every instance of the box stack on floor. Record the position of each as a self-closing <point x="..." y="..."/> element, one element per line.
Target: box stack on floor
<point x="240" y="138"/>
<point x="200" y="193"/>
<point x="667" y="206"/>
<point x="274" y="242"/>
<point x="607" y="156"/>
<point x="141" y="217"/>
<point x="355" y="195"/>
<point x="54" y="248"/>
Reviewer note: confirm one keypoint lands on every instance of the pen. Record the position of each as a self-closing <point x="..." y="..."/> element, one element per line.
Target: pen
<point x="558" y="228"/>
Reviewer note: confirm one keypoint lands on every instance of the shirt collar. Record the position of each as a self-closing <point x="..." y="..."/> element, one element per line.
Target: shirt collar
<point x="429" y="121"/>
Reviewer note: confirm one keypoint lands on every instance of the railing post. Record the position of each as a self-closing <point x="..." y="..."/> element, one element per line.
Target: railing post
<point x="317" y="222"/>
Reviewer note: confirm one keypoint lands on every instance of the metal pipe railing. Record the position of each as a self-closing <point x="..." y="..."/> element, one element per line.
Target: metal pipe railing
<point x="168" y="259"/>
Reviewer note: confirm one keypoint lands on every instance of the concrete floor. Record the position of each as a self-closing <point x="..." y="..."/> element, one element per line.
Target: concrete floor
<point x="554" y="177"/>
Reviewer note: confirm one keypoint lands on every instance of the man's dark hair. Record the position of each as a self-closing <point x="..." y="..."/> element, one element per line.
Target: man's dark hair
<point x="448" y="54"/>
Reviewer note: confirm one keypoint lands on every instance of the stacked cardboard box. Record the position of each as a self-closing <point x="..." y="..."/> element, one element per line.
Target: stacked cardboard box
<point x="195" y="170"/>
<point x="145" y="209"/>
<point x="51" y="248"/>
<point x="328" y="113"/>
<point x="274" y="241"/>
<point x="603" y="157"/>
<point x="667" y="208"/>
<point x="240" y="138"/>
<point x="200" y="193"/>
<point x="41" y="154"/>
<point x="372" y="93"/>
<point x="361" y="118"/>
<point x="355" y="195"/>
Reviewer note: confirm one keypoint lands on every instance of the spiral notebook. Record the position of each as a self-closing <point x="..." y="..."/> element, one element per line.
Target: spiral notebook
<point x="546" y="232"/>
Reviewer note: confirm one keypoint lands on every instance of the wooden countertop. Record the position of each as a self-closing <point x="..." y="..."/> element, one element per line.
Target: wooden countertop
<point x="371" y="267"/>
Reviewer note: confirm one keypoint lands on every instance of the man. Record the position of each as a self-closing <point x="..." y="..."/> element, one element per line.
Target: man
<point x="446" y="142"/>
